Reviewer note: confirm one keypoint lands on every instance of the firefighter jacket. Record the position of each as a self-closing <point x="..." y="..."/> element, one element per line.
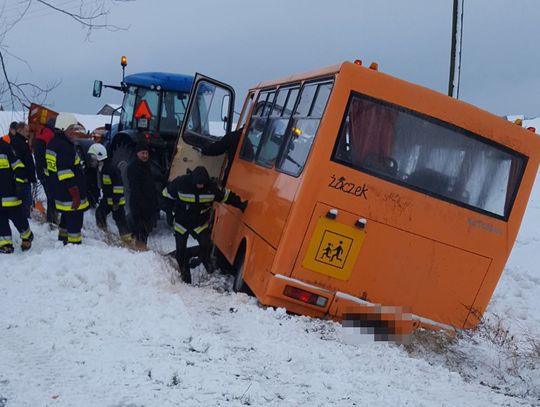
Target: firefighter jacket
<point x="40" y="147"/>
<point x="22" y="150"/>
<point x="65" y="172"/>
<point x="112" y="186"/>
<point x="192" y="205"/>
<point x="11" y="173"/>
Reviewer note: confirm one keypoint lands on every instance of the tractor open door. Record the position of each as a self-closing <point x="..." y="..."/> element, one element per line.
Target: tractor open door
<point x="207" y="119"/>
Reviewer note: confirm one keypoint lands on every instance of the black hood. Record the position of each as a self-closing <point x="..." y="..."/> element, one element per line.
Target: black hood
<point x="200" y="176"/>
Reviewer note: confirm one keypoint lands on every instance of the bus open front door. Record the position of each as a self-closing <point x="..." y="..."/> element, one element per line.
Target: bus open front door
<point x="208" y="118"/>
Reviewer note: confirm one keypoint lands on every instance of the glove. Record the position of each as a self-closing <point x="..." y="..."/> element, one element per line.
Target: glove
<point x="242" y="206"/>
<point x="75" y="197"/>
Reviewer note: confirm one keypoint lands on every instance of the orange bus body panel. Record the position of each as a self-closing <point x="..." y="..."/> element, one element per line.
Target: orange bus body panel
<point x="438" y="260"/>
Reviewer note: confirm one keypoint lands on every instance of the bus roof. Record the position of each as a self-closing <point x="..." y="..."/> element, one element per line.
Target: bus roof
<point x="329" y="70"/>
<point x="168" y="81"/>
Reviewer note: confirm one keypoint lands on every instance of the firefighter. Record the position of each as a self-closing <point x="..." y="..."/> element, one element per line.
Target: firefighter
<point x="40" y="146"/>
<point x="19" y="143"/>
<point x="143" y="202"/>
<point x="112" y="188"/>
<point x="12" y="180"/>
<point x="67" y="178"/>
<point x="194" y="194"/>
<point x="12" y="131"/>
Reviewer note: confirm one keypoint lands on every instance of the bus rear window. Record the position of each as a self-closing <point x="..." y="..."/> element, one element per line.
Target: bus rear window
<point x="429" y="156"/>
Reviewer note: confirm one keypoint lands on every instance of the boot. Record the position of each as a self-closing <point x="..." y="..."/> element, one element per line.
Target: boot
<point x="185" y="273"/>
<point x="140" y="246"/>
<point x="63" y="236"/>
<point x="127" y="238"/>
<point x="6" y="249"/>
<point x="101" y="221"/>
<point x="27" y="243"/>
<point x="130" y="242"/>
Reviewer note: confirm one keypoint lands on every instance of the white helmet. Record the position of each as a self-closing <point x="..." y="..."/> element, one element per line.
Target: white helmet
<point x="64" y="120"/>
<point x="99" y="151"/>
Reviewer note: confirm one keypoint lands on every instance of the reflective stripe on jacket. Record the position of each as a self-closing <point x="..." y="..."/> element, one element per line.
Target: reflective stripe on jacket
<point x="65" y="172"/>
<point x="193" y="205"/>
<point x="12" y="172"/>
<point x="112" y="185"/>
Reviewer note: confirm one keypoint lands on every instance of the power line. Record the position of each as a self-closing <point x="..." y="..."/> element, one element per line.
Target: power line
<point x="460" y="46"/>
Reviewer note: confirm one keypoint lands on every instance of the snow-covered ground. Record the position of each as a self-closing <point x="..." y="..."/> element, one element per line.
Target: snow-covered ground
<point x="100" y="325"/>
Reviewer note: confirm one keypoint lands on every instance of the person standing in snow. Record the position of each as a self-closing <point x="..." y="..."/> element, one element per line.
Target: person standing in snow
<point x="143" y="202"/>
<point x="110" y="182"/>
<point x="193" y="195"/>
<point x="12" y="180"/>
<point x="41" y="140"/>
<point x="19" y="143"/>
<point x="67" y="178"/>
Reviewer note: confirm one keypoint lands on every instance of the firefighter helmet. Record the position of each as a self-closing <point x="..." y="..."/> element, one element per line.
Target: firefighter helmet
<point x="64" y="120"/>
<point x="99" y="151"/>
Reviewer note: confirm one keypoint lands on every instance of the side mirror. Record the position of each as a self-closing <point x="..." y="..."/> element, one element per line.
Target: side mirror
<point x="225" y="102"/>
<point x="98" y="86"/>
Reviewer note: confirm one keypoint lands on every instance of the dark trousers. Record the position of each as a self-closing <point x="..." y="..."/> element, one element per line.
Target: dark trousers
<point x="183" y="253"/>
<point x="142" y="228"/>
<point x="70" y="227"/>
<point x="51" y="209"/>
<point x="119" y="216"/>
<point x="27" y="199"/>
<point x="17" y="216"/>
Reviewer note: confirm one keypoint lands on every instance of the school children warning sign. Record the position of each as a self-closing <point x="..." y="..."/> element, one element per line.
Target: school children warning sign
<point x="333" y="248"/>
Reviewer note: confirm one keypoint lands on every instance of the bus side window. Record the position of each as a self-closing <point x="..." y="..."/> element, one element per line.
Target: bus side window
<point x="257" y="125"/>
<point x="303" y="126"/>
<point x="277" y="126"/>
<point x="429" y="156"/>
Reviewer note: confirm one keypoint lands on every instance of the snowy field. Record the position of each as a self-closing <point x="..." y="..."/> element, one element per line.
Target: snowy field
<point x="99" y="325"/>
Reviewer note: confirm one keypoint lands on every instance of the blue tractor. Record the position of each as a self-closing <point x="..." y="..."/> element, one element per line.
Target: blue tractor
<point x="153" y="109"/>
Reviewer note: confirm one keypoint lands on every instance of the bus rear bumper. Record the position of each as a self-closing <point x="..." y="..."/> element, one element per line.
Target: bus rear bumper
<point x="306" y="299"/>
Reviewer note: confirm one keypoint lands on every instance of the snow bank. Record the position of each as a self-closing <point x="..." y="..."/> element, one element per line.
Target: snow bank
<point x="99" y="325"/>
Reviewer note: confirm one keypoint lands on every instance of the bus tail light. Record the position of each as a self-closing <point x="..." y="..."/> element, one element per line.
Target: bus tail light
<point x="533" y="129"/>
<point x="358" y="62"/>
<point x="305" y="296"/>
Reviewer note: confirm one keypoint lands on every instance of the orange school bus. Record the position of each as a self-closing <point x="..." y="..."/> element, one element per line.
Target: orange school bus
<point x="365" y="192"/>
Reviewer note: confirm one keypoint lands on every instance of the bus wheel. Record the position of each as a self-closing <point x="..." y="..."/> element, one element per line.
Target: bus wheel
<point x="239" y="285"/>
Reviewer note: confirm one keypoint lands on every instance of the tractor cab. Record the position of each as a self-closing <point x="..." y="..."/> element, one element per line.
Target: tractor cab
<point x="152" y="109"/>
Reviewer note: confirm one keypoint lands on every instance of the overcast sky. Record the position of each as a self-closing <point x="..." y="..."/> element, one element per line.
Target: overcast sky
<point x="242" y="42"/>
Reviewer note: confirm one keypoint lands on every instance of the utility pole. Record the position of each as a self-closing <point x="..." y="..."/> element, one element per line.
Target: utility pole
<point x="455" y="56"/>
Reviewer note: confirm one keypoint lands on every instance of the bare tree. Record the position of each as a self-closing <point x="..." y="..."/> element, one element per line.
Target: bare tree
<point x="90" y="15"/>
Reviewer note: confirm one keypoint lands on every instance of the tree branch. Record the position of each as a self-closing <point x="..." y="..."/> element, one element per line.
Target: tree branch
<point x="22" y="93"/>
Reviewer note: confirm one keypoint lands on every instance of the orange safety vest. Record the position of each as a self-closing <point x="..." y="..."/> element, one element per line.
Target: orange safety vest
<point x="7" y="138"/>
